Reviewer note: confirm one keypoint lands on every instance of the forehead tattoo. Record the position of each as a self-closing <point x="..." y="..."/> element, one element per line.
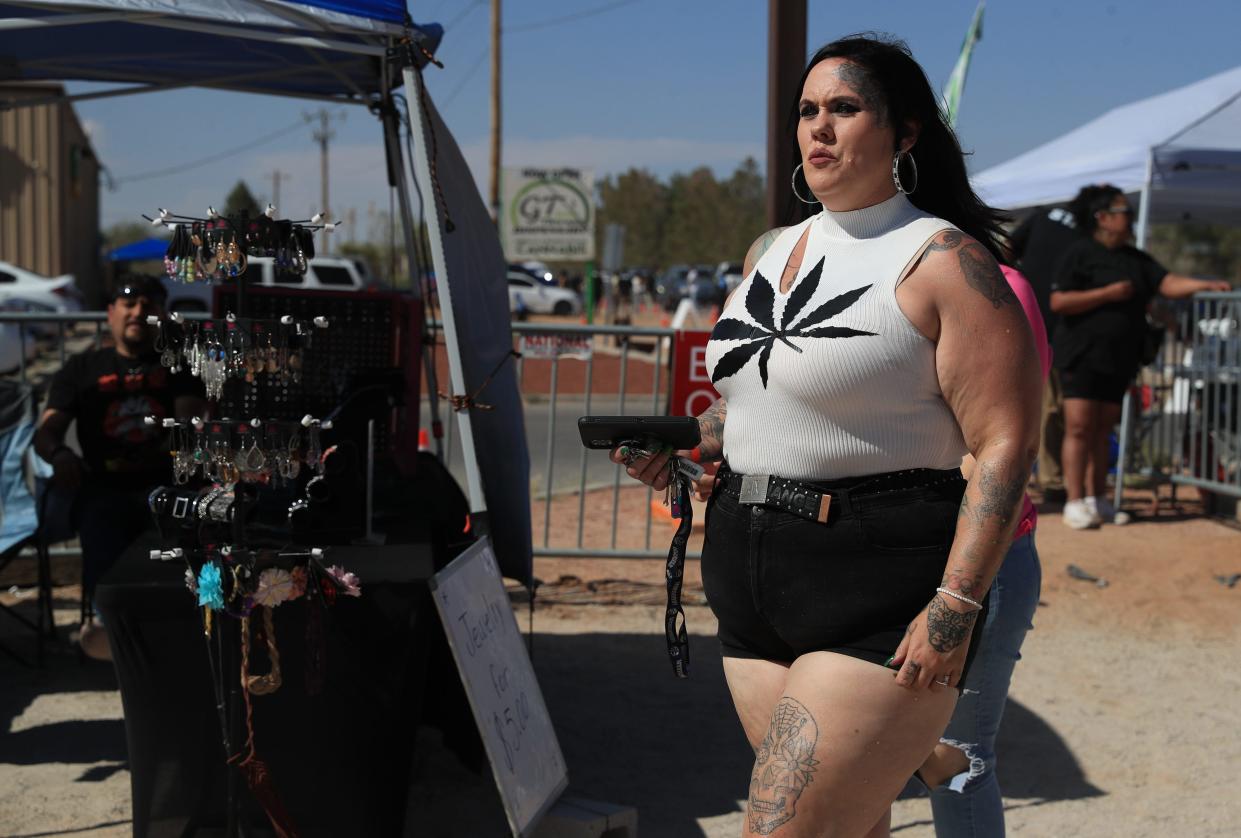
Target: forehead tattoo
<point x="866" y="87"/>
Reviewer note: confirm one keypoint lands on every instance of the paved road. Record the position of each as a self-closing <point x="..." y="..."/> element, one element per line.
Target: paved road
<point x="567" y="461"/>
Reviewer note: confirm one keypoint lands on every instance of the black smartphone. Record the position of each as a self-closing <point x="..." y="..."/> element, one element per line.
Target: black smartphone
<point x="610" y="431"/>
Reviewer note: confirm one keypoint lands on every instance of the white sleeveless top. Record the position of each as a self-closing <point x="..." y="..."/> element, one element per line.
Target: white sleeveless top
<point x="832" y="380"/>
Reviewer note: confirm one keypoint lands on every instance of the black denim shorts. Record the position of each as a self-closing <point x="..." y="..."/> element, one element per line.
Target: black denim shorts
<point x="1080" y="383"/>
<point x="781" y="585"/>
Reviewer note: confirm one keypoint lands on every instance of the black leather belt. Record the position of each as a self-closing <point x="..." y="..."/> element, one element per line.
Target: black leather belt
<point x="813" y="501"/>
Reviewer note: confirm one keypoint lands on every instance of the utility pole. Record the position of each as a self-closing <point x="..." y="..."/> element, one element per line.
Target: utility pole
<point x="786" y="57"/>
<point x="495" y="110"/>
<point x="323" y="137"/>
<point x="276" y="177"/>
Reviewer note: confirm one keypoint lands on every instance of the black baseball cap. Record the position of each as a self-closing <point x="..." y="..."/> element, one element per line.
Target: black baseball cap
<point x="138" y="285"/>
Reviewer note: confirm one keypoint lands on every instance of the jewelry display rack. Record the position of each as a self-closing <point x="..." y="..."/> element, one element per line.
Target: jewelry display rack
<point x="234" y="575"/>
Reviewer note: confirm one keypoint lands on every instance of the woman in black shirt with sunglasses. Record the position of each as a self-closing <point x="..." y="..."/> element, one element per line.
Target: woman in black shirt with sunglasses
<point x="1101" y="293"/>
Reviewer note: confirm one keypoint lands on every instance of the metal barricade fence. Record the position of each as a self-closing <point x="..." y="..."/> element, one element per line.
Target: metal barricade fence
<point x="567" y="371"/>
<point x="584" y="505"/>
<point x="1180" y="421"/>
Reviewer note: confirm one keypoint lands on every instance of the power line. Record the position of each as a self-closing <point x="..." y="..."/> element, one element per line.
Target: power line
<point x="464" y="13"/>
<point x="556" y="21"/>
<point x="214" y="158"/>
<point x="478" y="62"/>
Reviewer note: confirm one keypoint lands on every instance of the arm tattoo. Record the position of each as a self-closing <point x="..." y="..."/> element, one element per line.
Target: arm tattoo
<point x="947" y="240"/>
<point x="947" y="628"/>
<point x="711" y="429"/>
<point x="963" y="582"/>
<point x="999" y="496"/>
<point x="783" y="766"/>
<point x="760" y="246"/>
<point x="984" y="275"/>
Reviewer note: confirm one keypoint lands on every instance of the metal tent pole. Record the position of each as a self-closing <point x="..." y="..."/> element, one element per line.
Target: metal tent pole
<point x="397" y="182"/>
<point x="1126" y="423"/>
<point x="435" y="234"/>
<point x="1144" y="201"/>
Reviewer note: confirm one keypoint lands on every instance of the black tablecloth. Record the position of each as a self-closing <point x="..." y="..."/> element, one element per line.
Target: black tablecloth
<point x="340" y="760"/>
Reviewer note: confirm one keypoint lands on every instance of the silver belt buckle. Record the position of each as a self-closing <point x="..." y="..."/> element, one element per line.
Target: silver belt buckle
<point x="754" y="488"/>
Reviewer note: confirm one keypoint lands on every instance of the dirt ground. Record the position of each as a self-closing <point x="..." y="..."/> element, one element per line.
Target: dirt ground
<point x="1121" y="721"/>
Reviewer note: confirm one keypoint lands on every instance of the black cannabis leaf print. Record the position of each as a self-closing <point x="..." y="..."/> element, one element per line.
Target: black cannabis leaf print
<point x="760" y="302"/>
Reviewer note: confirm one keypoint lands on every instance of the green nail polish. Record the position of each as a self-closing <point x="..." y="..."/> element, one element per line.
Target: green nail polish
<point x="888" y="662"/>
<point x="624" y="450"/>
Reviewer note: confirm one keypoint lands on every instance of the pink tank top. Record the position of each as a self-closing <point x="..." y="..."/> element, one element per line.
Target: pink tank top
<point x="1025" y="295"/>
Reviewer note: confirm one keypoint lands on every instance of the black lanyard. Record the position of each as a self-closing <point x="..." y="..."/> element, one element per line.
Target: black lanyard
<point x="674" y="617"/>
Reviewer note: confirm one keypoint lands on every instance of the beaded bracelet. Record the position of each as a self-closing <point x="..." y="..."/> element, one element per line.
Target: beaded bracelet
<point x="961" y="597"/>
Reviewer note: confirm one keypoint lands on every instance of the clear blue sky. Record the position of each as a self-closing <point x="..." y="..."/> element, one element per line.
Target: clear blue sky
<point x="667" y="86"/>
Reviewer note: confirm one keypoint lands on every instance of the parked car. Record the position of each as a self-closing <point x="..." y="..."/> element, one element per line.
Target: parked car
<point x="671" y="286"/>
<point x="525" y="293"/>
<point x="23" y="290"/>
<point x="538" y="270"/>
<point x="729" y="275"/>
<point x="324" y="273"/>
<point x="677" y="282"/>
<point x="544" y="277"/>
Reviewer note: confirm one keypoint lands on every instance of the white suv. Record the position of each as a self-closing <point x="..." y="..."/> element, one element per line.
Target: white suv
<point x="324" y="273"/>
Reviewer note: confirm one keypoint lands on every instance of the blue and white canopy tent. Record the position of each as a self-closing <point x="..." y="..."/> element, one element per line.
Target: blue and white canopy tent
<point x="139" y="251"/>
<point x="1180" y="152"/>
<point x="351" y="52"/>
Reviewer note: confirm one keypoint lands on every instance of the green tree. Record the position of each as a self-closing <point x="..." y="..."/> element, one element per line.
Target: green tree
<point x="746" y="220"/>
<point x="127" y="232"/>
<point x="239" y="199"/>
<point x="698" y="212"/>
<point x="694" y="218"/>
<point x="637" y="201"/>
<point x="1205" y="250"/>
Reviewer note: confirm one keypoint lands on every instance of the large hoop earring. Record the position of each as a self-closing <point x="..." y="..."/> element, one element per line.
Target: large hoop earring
<point x="794" y="185"/>
<point x="896" y="171"/>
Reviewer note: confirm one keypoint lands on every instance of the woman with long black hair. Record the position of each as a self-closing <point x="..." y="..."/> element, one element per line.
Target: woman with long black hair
<point x="1101" y="293"/>
<point x="867" y="350"/>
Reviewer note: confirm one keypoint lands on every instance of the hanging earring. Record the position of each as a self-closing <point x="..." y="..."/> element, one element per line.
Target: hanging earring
<point x="794" y="183"/>
<point x="254" y="459"/>
<point x="896" y="172"/>
<point x="293" y="462"/>
<point x="167" y="356"/>
<point x="183" y="460"/>
<point x="314" y="453"/>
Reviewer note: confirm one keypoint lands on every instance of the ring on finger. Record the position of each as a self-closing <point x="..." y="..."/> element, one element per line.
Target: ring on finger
<point x="943" y="682"/>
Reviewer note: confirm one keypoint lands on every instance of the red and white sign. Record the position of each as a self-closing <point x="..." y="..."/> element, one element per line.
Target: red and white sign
<point x="692" y="392"/>
<point x="542" y="345"/>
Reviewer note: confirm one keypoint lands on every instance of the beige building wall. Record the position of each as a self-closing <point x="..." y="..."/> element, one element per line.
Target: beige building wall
<point x="49" y="189"/>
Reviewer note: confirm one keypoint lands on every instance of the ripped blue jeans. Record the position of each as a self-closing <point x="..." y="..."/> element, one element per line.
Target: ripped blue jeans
<point x="969" y="804"/>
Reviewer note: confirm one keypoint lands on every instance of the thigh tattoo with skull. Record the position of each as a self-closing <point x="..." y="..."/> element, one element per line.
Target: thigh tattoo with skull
<point x="783" y="766"/>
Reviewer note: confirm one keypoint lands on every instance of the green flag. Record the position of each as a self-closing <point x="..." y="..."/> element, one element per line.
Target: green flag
<point x="951" y="103"/>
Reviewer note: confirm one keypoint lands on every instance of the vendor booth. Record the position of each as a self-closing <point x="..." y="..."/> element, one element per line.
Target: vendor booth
<point x="333" y="385"/>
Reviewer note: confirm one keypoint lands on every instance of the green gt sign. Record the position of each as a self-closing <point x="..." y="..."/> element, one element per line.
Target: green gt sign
<point x="548" y="214"/>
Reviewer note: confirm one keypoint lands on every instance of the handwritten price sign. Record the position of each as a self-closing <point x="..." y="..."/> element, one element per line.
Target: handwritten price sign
<point x="499" y="680"/>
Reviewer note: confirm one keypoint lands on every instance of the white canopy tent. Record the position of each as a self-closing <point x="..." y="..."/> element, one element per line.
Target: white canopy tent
<point x="1179" y="151"/>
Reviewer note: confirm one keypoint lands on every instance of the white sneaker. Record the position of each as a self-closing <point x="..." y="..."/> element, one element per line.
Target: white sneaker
<point x="1079" y="516"/>
<point x="1108" y="514"/>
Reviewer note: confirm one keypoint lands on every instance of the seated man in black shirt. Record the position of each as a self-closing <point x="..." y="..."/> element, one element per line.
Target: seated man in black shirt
<point x="109" y="392"/>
